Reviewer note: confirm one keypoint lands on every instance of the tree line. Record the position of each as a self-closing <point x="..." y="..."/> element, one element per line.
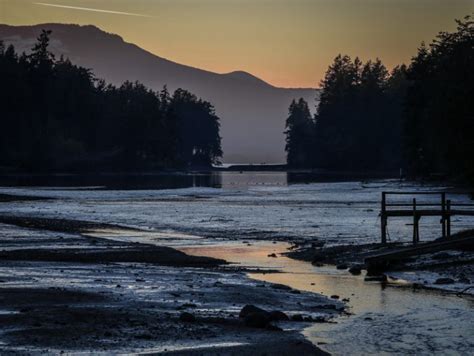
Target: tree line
<point x="58" y="116"/>
<point x="418" y="117"/>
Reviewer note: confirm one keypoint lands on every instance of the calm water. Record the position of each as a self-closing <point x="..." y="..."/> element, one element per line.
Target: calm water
<point x="211" y="214"/>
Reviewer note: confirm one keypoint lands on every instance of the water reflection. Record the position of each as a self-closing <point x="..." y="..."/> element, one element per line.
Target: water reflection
<point x="174" y="180"/>
<point x="387" y="318"/>
<point x="117" y="181"/>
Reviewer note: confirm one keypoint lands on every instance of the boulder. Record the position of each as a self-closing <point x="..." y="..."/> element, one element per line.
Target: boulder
<point x="277" y="315"/>
<point x="250" y="309"/>
<point x="257" y="319"/>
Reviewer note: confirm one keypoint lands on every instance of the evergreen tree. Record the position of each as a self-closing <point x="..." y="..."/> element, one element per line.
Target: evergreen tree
<point x="58" y="116"/>
<point x="439" y="121"/>
<point x="299" y="134"/>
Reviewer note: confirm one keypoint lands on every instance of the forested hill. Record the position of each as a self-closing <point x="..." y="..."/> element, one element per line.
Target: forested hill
<point x="252" y="111"/>
<point x="418" y="117"/>
<point x="56" y="116"/>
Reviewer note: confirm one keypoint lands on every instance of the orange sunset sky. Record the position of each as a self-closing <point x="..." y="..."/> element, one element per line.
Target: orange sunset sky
<point x="288" y="43"/>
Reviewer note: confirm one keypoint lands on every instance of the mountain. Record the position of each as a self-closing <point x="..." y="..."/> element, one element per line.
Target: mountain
<point x="253" y="112"/>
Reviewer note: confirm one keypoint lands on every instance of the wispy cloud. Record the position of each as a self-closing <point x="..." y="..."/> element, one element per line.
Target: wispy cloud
<point x="92" y="9"/>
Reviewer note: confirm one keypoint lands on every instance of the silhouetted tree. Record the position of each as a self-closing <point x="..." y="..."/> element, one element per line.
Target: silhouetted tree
<point x="358" y="121"/>
<point x="299" y="134"/>
<point x="439" y="113"/>
<point x="58" y="116"/>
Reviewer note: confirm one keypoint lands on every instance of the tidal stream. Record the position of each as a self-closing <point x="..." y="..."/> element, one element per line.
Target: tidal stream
<point x="392" y="318"/>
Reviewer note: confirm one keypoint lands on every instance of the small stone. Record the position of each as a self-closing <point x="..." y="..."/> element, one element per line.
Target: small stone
<point x="272" y="255"/>
<point x="378" y="278"/>
<point x="334" y="296"/>
<point x="442" y="256"/>
<point x="355" y="270"/>
<point x="297" y="317"/>
<point x="187" y="317"/>
<point x="444" y="281"/>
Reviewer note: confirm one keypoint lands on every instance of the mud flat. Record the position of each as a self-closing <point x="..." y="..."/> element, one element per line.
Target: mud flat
<point x="64" y="291"/>
<point x="450" y="269"/>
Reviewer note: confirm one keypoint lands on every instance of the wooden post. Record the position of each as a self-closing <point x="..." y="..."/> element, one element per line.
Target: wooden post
<point x="443" y="214"/>
<point x="448" y="218"/>
<point x="416" y="236"/>
<point x="383" y="219"/>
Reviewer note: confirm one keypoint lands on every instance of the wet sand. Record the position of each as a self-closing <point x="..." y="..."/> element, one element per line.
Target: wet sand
<point x="75" y="293"/>
<point x="448" y="270"/>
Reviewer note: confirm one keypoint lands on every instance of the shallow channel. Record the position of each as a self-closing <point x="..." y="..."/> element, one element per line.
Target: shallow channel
<point x="392" y="318"/>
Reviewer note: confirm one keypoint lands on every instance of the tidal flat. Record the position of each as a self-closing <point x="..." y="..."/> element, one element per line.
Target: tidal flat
<point x="128" y="265"/>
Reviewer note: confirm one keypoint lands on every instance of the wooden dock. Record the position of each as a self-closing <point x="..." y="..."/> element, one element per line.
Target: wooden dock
<point x="385" y="260"/>
<point x="444" y="208"/>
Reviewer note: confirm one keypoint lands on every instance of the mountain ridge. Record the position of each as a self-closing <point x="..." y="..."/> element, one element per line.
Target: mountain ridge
<point x="253" y="112"/>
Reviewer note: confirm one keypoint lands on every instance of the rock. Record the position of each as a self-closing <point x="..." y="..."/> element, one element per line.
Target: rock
<point x="280" y="286"/>
<point x="444" y="281"/>
<point x="378" y="278"/>
<point x="442" y="256"/>
<point x="273" y="328"/>
<point x="257" y="319"/>
<point x="464" y="280"/>
<point x="272" y="255"/>
<point x="355" y="270"/>
<point x="187" y="317"/>
<point x="318" y="257"/>
<point x="346" y="300"/>
<point x="334" y="296"/>
<point x="249" y="309"/>
<point x="342" y="266"/>
<point x="317" y="264"/>
<point x="277" y="315"/>
<point x="297" y="317"/>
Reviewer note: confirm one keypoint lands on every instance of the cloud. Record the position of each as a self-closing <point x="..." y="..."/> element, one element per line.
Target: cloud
<point x="91" y="9"/>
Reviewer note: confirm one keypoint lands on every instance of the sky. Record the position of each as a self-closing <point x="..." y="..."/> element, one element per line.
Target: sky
<point x="288" y="43"/>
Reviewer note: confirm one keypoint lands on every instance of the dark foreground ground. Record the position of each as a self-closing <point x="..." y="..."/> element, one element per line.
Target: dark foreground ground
<point x="63" y="291"/>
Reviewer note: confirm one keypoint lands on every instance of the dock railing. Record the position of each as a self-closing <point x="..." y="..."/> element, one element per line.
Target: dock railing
<point x="444" y="208"/>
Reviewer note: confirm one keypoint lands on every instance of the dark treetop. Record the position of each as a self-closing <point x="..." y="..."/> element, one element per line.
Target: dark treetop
<point x="419" y="117"/>
<point x="56" y="116"/>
